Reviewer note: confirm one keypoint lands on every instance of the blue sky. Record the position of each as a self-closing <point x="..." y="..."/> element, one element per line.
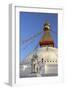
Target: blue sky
<point x="30" y="24"/>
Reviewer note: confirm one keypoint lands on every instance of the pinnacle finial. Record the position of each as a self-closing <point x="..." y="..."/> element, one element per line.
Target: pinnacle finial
<point x="46" y="26"/>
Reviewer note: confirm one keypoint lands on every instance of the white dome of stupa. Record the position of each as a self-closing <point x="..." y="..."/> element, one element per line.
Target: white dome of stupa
<point x="47" y="55"/>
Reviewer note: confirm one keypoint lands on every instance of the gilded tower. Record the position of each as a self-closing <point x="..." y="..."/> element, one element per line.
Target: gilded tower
<point x="46" y="40"/>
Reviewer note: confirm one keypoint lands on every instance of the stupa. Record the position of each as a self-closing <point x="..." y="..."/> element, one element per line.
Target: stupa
<point x="43" y="61"/>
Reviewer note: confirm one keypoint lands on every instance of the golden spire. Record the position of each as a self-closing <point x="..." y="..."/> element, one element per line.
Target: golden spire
<point x="46" y="39"/>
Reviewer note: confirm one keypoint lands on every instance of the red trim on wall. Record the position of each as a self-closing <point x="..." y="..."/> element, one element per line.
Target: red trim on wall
<point x="46" y="43"/>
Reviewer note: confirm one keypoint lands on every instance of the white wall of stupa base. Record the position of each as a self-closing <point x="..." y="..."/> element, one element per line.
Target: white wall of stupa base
<point x="46" y="63"/>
